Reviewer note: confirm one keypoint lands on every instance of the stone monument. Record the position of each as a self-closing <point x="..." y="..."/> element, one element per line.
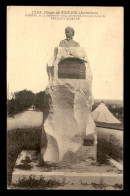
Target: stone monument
<point x="69" y="132"/>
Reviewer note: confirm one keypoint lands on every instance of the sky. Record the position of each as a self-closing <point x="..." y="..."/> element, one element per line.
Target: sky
<point x="31" y="41"/>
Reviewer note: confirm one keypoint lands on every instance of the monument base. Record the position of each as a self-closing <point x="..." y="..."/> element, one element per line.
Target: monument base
<point x="82" y="173"/>
<point x="87" y="150"/>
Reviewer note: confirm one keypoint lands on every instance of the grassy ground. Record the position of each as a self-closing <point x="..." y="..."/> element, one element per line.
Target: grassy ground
<point x="18" y="140"/>
<point x="34" y="184"/>
<point x="107" y="149"/>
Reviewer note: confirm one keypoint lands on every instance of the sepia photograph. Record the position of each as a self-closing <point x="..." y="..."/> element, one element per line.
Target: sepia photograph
<point x="65" y="110"/>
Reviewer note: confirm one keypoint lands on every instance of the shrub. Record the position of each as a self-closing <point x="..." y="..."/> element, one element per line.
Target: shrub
<point x="107" y="149"/>
<point x="39" y="100"/>
<point x="21" y="101"/>
<point x="37" y="183"/>
<point x="24" y="166"/>
<point x="18" y="140"/>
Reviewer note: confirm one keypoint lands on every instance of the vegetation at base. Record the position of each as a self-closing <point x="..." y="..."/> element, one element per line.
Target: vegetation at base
<point x="99" y="186"/>
<point x="48" y="165"/>
<point x="107" y="149"/>
<point x="27" y="160"/>
<point x="32" y="183"/>
<point x="103" y="186"/>
<point x="119" y="186"/>
<point x="18" y="140"/>
<point x="24" y="166"/>
<point x="24" y="99"/>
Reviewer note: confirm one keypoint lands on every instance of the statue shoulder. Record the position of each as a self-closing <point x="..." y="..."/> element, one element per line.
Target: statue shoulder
<point x="62" y="43"/>
<point x="76" y="44"/>
<point x="71" y="43"/>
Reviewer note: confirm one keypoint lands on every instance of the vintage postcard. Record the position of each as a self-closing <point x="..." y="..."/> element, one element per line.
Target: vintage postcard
<point x="65" y="97"/>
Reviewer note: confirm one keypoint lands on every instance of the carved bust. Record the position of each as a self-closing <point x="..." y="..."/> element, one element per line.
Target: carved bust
<point x="69" y="42"/>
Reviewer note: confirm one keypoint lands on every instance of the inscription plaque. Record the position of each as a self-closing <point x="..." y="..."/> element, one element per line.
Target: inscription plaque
<point x="72" y="68"/>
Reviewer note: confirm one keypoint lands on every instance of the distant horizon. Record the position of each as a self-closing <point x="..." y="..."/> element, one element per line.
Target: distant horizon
<point x="44" y="90"/>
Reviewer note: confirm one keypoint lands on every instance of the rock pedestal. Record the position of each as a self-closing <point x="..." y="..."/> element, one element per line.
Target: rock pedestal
<point x="67" y="122"/>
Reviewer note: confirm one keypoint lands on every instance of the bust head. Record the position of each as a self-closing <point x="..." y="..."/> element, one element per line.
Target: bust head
<point x="69" y="31"/>
<point x="69" y="42"/>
